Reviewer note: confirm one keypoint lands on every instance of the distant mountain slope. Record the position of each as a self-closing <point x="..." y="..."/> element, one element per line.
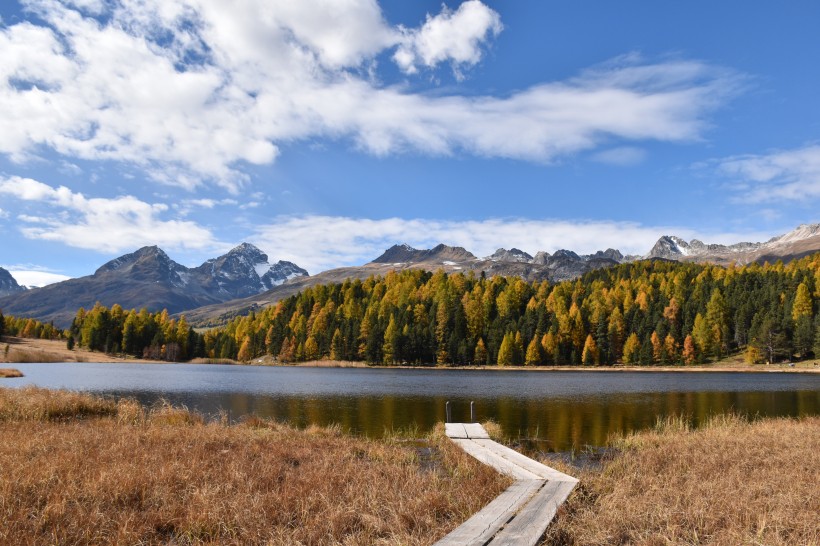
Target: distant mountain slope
<point x="562" y="265"/>
<point x="149" y="278"/>
<point x="802" y="241"/>
<point x="8" y="284"/>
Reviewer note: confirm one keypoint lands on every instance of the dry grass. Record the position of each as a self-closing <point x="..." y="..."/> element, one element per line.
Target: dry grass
<point x="729" y="483"/>
<point x="10" y="372"/>
<point x="80" y="470"/>
<point x="25" y="350"/>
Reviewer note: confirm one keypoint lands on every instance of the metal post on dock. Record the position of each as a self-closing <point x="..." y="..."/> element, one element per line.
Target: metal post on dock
<point x="447" y="410"/>
<point x="472" y="411"/>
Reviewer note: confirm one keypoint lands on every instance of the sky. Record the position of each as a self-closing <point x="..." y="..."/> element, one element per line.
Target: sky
<point x="325" y="131"/>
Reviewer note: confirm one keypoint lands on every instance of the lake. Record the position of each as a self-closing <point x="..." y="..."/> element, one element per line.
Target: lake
<point x="563" y="410"/>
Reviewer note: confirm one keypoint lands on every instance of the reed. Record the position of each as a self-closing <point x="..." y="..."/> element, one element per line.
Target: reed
<point x="84" y="470"/>
<point x="729" y="482"/>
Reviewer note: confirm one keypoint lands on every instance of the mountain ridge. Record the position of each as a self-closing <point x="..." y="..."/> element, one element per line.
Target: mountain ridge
<point x="242" y="279"/>
<point x="8" y="284"/>
<point x="149" y="278"/>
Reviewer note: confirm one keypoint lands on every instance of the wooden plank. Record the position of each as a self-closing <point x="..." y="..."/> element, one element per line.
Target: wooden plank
<point x="475" y="430"/>
<point x="496" y="461"/>
<point x="485" y="523"/>
<point x="455" y="430"/>
<point x="532" y="520"/>
<point x="539" y="469"/>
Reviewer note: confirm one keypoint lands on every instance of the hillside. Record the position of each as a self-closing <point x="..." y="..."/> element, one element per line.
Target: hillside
<point x="149" y="278"/>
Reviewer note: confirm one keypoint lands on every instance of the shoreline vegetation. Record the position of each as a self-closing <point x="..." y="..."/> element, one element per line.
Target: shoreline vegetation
<point x="23" y="350"/>
<point x="642" y="314"/>
<point x="728" y="482"/>
<point x="10" y="373"/>
<point x="80" y="469"/>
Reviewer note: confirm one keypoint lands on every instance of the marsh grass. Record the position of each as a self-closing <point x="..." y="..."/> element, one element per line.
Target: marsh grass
<point x="10" y="373"/>
<point x="30" y="356"/>
<point x="728" y="482"/>
<point x="85" y="470"/>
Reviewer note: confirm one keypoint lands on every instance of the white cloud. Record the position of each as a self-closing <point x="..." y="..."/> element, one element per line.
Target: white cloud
<point x="318" y="243"/>
<point x="455" y="36"/>
<point x="104" y="225"/>
<point x="192" y="90"/>
<point x="786" y="175"/>
<point x="3" y="214"/>
<point x="34" y="276"/>
<point x="624" y="156"/>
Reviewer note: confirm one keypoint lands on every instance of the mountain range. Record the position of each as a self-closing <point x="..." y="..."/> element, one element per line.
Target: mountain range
<point x="149" y="278"/>
<point x="242" y="280"/>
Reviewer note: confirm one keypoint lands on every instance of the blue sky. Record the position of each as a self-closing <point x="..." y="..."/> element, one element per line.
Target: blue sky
<point x="326" y="131"/>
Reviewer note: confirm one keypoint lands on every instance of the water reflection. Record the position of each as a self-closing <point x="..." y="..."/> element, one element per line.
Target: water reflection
<point x="562" y="410"/>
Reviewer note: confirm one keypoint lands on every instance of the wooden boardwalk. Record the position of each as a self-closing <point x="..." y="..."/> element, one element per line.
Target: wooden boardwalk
<point x="520" y="514"/>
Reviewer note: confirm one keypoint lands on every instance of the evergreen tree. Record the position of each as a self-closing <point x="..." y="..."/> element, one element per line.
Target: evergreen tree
<point x="803" y="303"/>
<point x="480" y="353"/>
<point x="632" y="348"/>
<point x="506" y="353"/>
<point x="590" y="355"/>
<point x="534" y="355"/>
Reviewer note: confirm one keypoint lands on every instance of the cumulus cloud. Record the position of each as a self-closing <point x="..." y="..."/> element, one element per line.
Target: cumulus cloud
<point x="455" y="36"/>
<point x="786" y="175"/>
<point x="105" y="225"/>
<point x="196" y="90"/>
<point x="322" y="242"/>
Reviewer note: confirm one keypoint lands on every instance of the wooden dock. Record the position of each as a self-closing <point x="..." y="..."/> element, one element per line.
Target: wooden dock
<point x="520" y="514"/>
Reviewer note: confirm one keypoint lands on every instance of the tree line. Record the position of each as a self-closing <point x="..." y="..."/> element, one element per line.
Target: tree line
<point x="155" y="336"/>
<point x="28" y="328"/>
<point x="645" y="313"/>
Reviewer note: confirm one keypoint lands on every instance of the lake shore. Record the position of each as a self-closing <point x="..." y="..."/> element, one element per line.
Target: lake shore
<point x="728" y="482"/>
<point x="44" y="350"/>
<point x="79" y="469"/>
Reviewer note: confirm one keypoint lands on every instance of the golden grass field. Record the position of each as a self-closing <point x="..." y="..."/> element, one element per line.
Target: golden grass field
<point x="729" y="483"/>
<point x="83" y="470"/>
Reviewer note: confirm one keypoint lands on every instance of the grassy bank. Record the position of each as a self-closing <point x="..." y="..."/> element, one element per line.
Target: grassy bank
<point x="10" y="372"/>
<point x="731" y="482"/>
<point x="82" y="470"/>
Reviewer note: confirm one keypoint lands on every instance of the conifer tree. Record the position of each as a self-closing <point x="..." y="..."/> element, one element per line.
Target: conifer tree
<point x="506" y="353"/>
<point x="550" y="347"/>
<point x="689" y="354"/>
<point x="480" y="354"/>
<point x="244" y="354"/>
<point x="590" y="355"/>
<point x="632" y="348"/>
<point x="337" y="346"/>
<point x="534" y="355"/>
<point x="803" y="304"/>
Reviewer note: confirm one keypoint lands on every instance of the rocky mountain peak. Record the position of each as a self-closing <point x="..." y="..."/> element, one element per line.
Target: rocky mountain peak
<point x="566" y="255"/>
<point x="8" y="284"/>
<point x="407" y="254"/>
<point x="670" y="247"/>
<point x="397" y="254"/>
<point x="249" y="252"/>
<point x="146" y="253"/>
<point x="800" y="233"/>
<point x="512" y="255"/>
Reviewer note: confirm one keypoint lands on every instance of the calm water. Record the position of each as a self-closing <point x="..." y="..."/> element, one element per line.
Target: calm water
<point x="565" y="410"/>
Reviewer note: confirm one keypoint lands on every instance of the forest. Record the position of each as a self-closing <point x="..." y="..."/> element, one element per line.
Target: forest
<point x="642" y="313"/>
<point x="28" y="327"/>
